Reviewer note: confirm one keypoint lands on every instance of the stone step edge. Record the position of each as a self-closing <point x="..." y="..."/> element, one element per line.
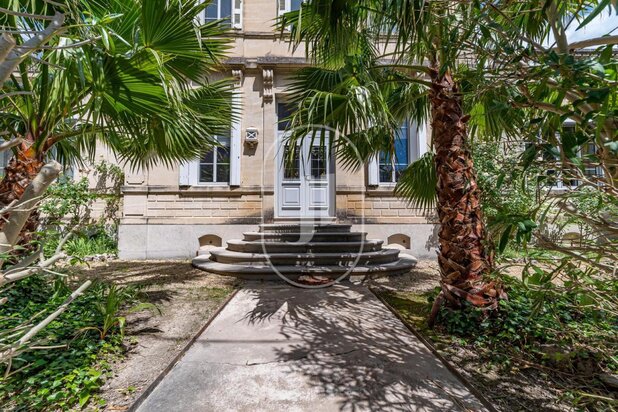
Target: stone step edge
<point x="276" y="227"/>
<point x="314" y="236"/>
<point x="301" y="255"/>
<point x="402" y="265"/>
<point x="368" y="242"/>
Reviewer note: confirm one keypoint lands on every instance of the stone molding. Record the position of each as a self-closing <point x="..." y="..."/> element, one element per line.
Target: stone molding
<point x="198" y="190"/>
<point x="237" y="74"/>
<point x="268" y="79"/>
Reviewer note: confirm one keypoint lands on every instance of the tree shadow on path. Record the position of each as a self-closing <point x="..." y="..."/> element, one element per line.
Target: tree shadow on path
<point x="352" y="348"/>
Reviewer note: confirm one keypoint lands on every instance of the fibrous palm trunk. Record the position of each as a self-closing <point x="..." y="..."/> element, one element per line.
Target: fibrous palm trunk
<point x="463" y="257"/>
<point x="18" y="174"/>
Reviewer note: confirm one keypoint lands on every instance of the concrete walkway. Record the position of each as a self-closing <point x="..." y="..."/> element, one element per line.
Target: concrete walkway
<point x="278" y="348"/>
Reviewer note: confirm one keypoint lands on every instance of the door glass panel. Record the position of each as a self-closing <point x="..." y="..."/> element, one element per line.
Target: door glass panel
<point x="291" y="163"/>
<point x="317" y="158"/>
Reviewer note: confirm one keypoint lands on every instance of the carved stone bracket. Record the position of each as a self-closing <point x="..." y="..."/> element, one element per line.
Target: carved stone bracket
<point x="237" y="75"/>
<point x="267" y="81"/>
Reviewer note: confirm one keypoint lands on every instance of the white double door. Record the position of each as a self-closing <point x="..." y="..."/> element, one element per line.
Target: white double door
<point x="305" y="175"/>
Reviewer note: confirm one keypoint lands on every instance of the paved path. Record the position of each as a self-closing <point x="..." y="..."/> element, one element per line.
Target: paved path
<point x="278" y="348"/>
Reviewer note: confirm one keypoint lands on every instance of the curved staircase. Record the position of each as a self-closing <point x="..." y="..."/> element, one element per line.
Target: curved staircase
<point x="294" y="250"/>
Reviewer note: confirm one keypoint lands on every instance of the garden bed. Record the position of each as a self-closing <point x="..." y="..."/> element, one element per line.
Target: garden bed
<point x="544" y="373"/>
<point x="89" y="364"/>
<point x="186" y="298"/>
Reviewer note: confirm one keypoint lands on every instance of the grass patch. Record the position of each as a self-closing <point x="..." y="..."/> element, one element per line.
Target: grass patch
<point x="217" y="294"/>
<point x="562" y="346"/>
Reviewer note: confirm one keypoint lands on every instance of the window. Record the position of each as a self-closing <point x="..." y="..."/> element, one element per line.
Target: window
<point x="284" y="6"/>
<point x="390" y="169"/>
<point x="229" y="10"/>
<point x="562" y="176"/>
<point x="590" y="151"/>
<point x="214" y="166"/>
<point x="284" y="111"/>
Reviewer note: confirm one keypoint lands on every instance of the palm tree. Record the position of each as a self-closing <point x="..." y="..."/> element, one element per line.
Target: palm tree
<point x="132" y="74"/>
<point x="475" y="64"/>
<point x="379" y="62"/>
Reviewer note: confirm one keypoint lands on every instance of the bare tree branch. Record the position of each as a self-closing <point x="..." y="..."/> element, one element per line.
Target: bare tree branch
<point x="25" y="262"/>
<point x="18" y="54"/>
<point x="598" y="41"/>
<point x="29" y="15"/>
<point x="7" y="43"/>
<point x="32" y="270"/>
<point x="18" y="93"/>
<point x="10" y="144"/>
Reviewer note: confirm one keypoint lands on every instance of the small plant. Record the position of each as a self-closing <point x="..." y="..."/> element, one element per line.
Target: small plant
<point x="129" y="390"/>
<point x="111" y="299"/>
<point x="97" y="243"/>
<point x="570" y="345"/>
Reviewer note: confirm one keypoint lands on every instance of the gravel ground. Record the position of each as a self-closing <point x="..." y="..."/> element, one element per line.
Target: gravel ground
<point x="186" y="298"/>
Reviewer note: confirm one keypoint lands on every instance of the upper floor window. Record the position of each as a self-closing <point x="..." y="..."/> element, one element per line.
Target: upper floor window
<point x="285" y="6"/>
<point x="405" y="152"/>
<point x="229" y="10"/>
<point x="215" y="163"/>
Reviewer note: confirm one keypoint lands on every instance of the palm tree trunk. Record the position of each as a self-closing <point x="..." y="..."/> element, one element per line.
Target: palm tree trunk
<point x="463" y="257"/>
<point x="18" y="174"/>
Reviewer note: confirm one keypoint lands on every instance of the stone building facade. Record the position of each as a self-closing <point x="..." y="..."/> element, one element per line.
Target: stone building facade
<point x="172" y="212"/>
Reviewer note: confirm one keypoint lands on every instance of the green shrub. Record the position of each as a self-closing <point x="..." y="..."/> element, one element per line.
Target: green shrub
<point x="67" y="209"/>
<point x="520" y="323"/>
<point x="60" y="378"/>
<point x="570" y="344"/>
<point x="99" y="243"/>
<point x="508" y="200"/>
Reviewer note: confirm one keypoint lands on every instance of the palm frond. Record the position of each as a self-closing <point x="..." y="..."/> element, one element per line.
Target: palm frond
<point x="131" y="87"/>
<point x="417" y="183"/>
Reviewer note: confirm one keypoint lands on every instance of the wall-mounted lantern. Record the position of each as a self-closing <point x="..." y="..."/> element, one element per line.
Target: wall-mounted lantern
<point x="251" y="138"/>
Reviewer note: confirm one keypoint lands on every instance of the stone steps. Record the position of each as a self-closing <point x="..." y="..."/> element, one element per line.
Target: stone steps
<point x="266" y="272"/>
<point x="256" y="246"/>
<point x="281" y="248"/>
<point x="291" y="227"/>
<point x="222" y="255"/>
<point x="296" y="236"/>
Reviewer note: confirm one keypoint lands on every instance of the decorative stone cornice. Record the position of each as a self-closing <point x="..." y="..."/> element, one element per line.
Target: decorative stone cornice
<point x="267" y="84"/>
